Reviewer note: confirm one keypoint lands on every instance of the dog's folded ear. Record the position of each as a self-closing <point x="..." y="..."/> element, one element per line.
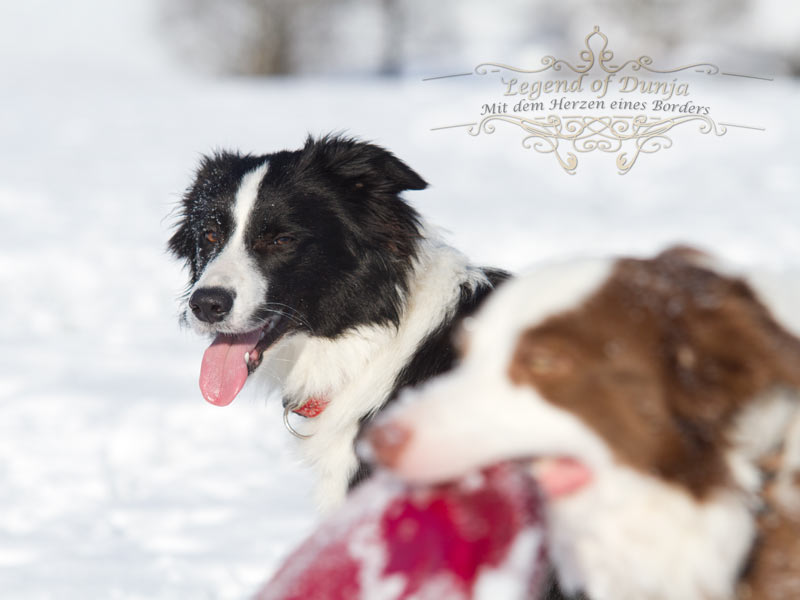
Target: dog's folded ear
<point x="360" y="165"/>
<point x="216" y="172"/>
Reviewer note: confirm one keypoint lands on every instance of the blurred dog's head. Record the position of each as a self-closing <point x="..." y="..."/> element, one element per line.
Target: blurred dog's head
<point x="644" y="391"/>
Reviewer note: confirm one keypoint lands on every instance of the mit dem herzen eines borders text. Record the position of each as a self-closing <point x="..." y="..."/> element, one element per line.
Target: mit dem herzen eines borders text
<point x="532" y="95"/>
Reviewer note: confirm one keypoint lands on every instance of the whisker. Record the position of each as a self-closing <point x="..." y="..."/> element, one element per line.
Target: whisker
<point x="273" y="379"/>
<point x="292" y="309"/>
<point x="294" y="318"/>
<point x="276" y="359"/>
<point x="293" y="314"/>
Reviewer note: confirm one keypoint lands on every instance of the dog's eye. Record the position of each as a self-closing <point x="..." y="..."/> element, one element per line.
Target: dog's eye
<point x="282" y="240"/>
<point x="268" y="243"/>
<point x="211" y="236"/>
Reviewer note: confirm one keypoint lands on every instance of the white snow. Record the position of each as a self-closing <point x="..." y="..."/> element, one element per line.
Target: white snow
<point x="116" y="479"/>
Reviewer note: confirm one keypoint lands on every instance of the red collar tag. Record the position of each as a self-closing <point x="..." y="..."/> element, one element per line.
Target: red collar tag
<point x="312" y="408"/>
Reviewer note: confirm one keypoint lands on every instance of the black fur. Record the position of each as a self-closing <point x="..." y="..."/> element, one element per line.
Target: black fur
<point x="351" y="242"/>
<point x="436" y="353"/>
<point x="352" y="237"/>
<point x="350" y="249"/>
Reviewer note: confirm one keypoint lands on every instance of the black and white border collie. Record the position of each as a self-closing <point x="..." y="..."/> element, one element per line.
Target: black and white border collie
<point x="309" y="269"/>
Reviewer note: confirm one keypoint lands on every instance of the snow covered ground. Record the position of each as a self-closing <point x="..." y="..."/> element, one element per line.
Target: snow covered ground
<point x="116" y="479"/>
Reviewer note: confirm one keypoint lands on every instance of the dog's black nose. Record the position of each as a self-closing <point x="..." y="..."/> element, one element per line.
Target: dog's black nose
<point x="211" y="304"/>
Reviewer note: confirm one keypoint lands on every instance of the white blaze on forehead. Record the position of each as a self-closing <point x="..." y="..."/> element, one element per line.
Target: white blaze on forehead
<point x="245" y="200"/>
<point x="234" y="268"/>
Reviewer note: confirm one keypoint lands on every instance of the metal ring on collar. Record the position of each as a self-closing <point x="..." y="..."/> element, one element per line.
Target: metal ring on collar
<point x="292" y="430"/>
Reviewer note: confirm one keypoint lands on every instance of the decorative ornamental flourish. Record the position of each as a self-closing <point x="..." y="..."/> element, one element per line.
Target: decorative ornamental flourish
<point x="589" y="133"/>
<point x="566" y="137"/>
<point x="601" y="58"/>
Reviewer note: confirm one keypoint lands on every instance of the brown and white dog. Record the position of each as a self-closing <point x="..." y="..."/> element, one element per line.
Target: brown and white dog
<point x="658" y="400"/>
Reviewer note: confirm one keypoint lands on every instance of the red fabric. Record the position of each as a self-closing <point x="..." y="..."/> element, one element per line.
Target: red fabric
<point x="312" y="408"/>
<point x="392" y="537"/>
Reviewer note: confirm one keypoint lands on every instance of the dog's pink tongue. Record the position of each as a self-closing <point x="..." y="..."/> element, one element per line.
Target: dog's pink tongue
<point x="224" y="370"/>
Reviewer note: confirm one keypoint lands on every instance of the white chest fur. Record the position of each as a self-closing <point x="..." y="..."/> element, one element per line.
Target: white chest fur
<point x="357" y="370"/>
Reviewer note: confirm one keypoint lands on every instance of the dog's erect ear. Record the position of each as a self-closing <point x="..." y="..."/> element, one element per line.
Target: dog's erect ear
<point x="361" y="165"/>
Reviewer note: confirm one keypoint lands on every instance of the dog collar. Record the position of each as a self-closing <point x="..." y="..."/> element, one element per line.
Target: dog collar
<point x="311" y="408"/>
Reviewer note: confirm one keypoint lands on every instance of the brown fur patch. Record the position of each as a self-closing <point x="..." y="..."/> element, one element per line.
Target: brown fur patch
<point x="659" y="361"/>
<point x="774" y="573"/>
